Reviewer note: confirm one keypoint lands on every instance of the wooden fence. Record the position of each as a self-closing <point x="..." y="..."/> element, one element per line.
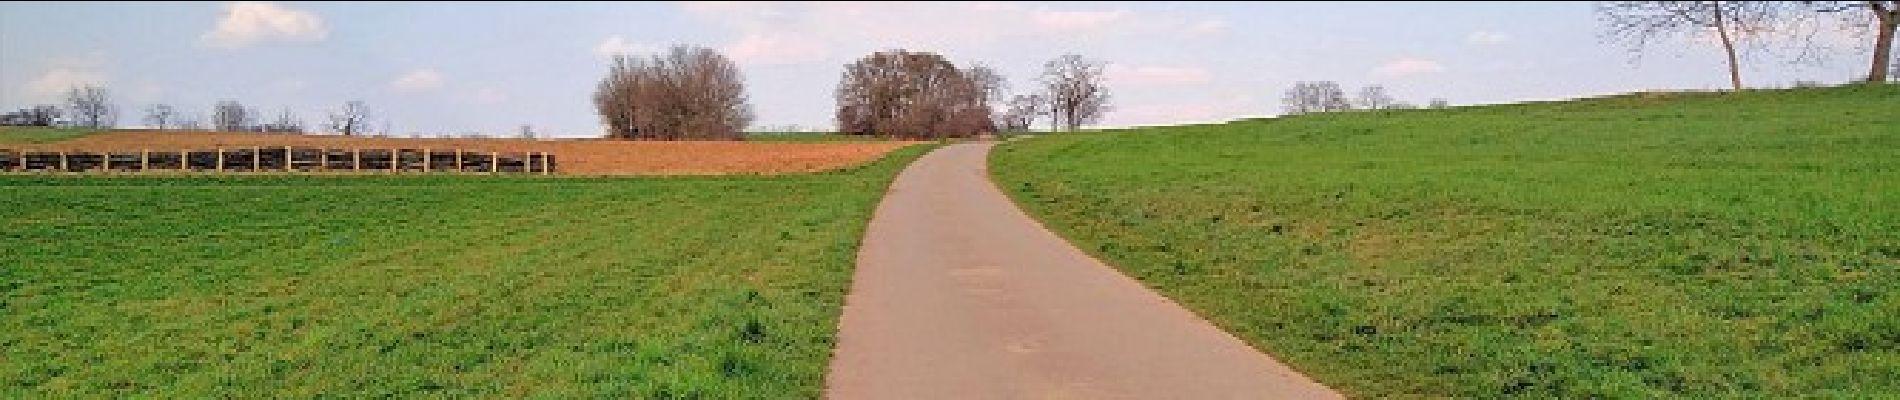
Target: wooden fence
<point x="280" y="159"/>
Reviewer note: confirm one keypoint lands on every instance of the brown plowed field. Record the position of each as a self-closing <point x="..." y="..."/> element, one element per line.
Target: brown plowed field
<point x="575" y="156"/>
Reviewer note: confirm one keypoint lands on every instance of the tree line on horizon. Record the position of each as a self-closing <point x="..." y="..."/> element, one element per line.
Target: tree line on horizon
<point x="696" y="93"/>
<point x="90" y="106"/>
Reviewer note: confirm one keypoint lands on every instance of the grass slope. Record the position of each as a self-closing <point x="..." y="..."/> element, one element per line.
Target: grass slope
<point x="1693" y="245"/>
<point x="35" y="134"/>
<point x="437" y="286"/>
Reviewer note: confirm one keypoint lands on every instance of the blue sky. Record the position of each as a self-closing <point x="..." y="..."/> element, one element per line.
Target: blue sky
<point x="436" y="68"/>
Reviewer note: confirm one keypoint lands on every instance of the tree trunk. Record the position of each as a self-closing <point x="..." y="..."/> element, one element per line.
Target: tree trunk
<point x="1883" y="43"/>
<point x="1728" y="46"/>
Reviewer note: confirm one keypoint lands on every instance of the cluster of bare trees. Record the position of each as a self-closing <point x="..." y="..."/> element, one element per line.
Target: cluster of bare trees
<point x="1327" y="96"/>
<point x="906" y="94"/>
<point x="86" y="106"/>
<point x="900" y="93"/>
<point x="91" y="106"/>
<point x="40" y="115"/>
<point x="687" y="93"/>
<point x="1744" y="27"/>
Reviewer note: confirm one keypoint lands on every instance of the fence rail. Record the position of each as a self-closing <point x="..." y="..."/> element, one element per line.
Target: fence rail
<point x="280" y="159"/>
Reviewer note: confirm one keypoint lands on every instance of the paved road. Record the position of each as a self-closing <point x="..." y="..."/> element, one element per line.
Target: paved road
<point x="959" y="295"/>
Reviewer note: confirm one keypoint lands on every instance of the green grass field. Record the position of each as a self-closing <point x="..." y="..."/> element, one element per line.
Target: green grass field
<point x="192" y="287"/>
<point x="1691" y="245"/>
<point x="35" y="134"/>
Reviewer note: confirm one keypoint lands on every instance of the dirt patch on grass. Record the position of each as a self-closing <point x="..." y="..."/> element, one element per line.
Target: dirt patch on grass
<point x="576" y="156"/>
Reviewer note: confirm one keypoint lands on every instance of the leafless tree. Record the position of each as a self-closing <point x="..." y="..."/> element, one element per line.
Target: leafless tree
<point x="1022" y="112"/>
<point x="161" y="116"/>
<point x="913" y="95"/>
<point x="1315" y="97"/>
<point x="91" y="106"/>
<point x="1073" y="86"/>
<point x="1374" y="97"/>
<point x="1884" y="16"/>
<point x="1439" y="103"/>
<point x="352" y="119"/>
<point x="688" y="93"/>
<point x="1735" y="24"/>
<point x="286" y="122"/>
<point x="231" y="116"/>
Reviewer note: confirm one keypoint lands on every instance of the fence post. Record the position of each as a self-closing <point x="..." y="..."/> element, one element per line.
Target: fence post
<point x="428" y="161"/>
<point x="220" y="160"/>
<point x="394" y="156"/>
<point x="257" y="159"/>
<point x="145" y="160"/>
<point x="494" y="162"/>
<point x="323" y="159"/>
<point x="458" y="159"/>
<point x="356" y="160"/>
<point x="62" y="161"/>
<point x="288" y="159"/>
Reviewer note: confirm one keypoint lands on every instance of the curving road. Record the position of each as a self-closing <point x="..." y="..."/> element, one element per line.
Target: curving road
<point x="959" y="295"/>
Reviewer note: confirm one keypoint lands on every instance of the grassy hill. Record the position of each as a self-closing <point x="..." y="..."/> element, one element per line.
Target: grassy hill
<point x="1646" y="245"/>
<point x="302" y="286"/>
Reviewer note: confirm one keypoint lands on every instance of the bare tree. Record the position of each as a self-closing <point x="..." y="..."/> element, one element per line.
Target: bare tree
<point x="231" y="116"/>
<point x="352" y="119"/>
<point x="286" y="122"/>
<point x="1638" y="23"/>
<point x="1884" y="16"/>
<point x="1373" y="97"/>
<point x="161" y="116"/>
<point x="1439" y="103"/>
<point x="913" y="95"/>
<point x="91" y="106"/>
<point x="1073" y="86"/>
<point x="688" y="93"/>
<point x="1315" y="97"/>
<point x="1022" y="112"/>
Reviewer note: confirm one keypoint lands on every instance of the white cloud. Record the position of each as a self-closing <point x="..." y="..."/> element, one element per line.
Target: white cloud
<point x="776" y="49"/>
<point x="488" y="95"/>
<point x="64" y="73"/>
<point x="417" y="80"/>
<point x="1488" y="38"/>
<point x="248" y="22"/>
<point x="1157" y="75"/>
<point x="1407" y="66"/>
<point x="1076" y="20"/>
<point x="616" y="45"/>
<point x="56" y="81"/>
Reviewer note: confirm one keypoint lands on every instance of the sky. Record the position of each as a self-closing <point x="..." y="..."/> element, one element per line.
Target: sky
<point x="489" y="67"/>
